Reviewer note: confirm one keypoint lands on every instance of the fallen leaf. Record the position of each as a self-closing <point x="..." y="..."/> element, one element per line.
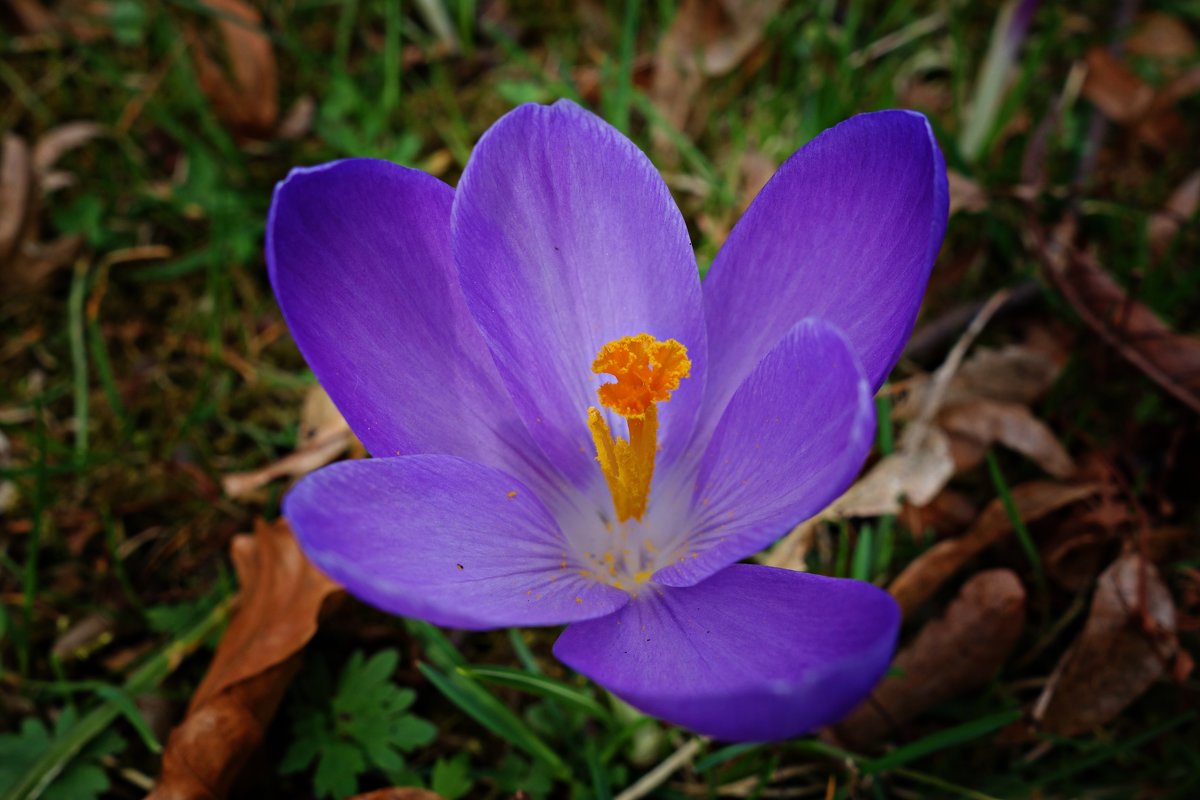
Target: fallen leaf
<point x="33" y="16"/>
<point x="245" y="98"/>
<point x="324" y="435"/>
<point x="707" y="38"/>
<point x="974" y="426"/>
<point x="1128" y="100"/>
<point x="965" y="194"/>
<point x="1161" y="37"/>
<point x="299" y="119"/>
<point x="1127" y="643"/>
<point x="62" y="139"/>
<point x="922" y="465"/>
<point x="24" y="261"/>
<point x="1179" y="209"/>
<point x="913" y="474"/>
<point x="281" y="599"/>
<point x="17" y="194"/>
<point x="1170" y="359"/>
<point x="952" y="655"/>
<point x="928" y="571"/>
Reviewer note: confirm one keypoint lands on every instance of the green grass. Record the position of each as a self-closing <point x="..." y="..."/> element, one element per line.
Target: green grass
<point x="144" y="381"/>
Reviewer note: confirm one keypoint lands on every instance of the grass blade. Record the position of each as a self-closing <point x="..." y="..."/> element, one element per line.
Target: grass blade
<point x="483" y="707"/>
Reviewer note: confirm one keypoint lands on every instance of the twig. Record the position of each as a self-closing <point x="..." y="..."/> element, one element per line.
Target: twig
<point x="657" y="776"/>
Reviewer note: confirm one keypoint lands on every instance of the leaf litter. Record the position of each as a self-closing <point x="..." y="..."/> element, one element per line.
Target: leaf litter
<point x="280" y="603"/>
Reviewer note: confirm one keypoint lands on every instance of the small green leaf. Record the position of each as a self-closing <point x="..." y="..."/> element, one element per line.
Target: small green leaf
<point x="363" y="722"/>
<point x="338" y="769"/>
<point x="452" y="777"/>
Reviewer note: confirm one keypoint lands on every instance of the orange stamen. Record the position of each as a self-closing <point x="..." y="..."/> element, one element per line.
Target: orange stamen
<point x="646" y="372"/>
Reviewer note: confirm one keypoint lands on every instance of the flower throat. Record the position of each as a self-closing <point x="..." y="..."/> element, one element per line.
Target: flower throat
<point x="646" y="372"/>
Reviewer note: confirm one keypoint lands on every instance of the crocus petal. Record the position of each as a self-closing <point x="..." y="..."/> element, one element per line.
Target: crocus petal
<point x="751" y="654"/>
<point x="445" y="540"/>
<point x="847" y="231"/>
<point x="791" y="440"/>
<point x="567" y="238"/>
<point x="359" y="256"/>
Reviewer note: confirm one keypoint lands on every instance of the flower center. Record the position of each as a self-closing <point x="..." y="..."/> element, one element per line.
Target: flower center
<point x="646" y="372"/>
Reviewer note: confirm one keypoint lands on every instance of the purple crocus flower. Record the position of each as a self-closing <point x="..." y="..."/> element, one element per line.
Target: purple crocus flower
<point x="568" y="428"/>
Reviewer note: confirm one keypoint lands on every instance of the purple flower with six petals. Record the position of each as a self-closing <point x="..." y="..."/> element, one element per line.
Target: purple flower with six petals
<point x="568" y="428"/>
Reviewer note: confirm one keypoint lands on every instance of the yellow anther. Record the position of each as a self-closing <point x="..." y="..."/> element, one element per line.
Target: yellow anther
<point x="646" y="372"/>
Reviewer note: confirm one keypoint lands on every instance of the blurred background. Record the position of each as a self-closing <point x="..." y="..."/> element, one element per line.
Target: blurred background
<point x="1031" y="503"/>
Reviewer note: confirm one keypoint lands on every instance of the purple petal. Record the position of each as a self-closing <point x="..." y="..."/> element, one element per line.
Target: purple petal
<point x="847" y="231"/>
<point x="445" y="540"/>
<point x="751" y="654"/>
<point x="567" y="238"/>
<point x="359" y="256"/>
<point x="791" y="440"/>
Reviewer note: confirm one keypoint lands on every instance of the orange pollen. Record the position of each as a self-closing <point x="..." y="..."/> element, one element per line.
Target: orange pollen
<point x="646" y="372"/>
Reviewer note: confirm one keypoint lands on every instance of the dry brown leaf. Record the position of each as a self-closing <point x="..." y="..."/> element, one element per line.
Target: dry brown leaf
<point x="965" y="194"/>
<point x="246" y="97"/>
<point x="1162" y="37"/>
<point x="33" y="16"/>
<point x="922" y="464"/>
<point x="707" y="38"/>
<point x="1179" y="209"/>
<point x="24" y="261"/>
<point x="1170" y="359"/>
<point x="324" y="435"/>
<point x="282" y="596"/>
<point x="1127" y="643"/>
<point x="913" y="474"/>
<point x="928" y="571"/>
<point x="1016" y="373"/>
<point x="953" y="654"/>
<point x="977" y="424"/>
<point x="59" y="140"/>
<point x="17" y="194"/>
<point x="299" y="119"/>
<point x="1128" y="100"/>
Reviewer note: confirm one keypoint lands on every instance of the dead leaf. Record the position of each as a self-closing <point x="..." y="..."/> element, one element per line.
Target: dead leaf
<point x="965" y="194"/>
<point x="60" y="140"/>
<point x="1127" y="100"/>
<point x="1179" y="209"/>
<point x="1127" y="643"/>
<point x="299" y="119"/>
<point x="24" y="260"/>
<point x="974" y="426"/>
<point x="399" y="793"/>
<point x="324" y="435"/>
<point x="1170" y="359"/>
<point x="952" y="655"/>
<point x="707" y="38"/>
<point x="17" y="194"/>
<point x="1162" y="37"/>
<point x="282" y="596"/>
<point x="1016" y="373"/>
<point x="922" y="465"/>
<point x="913" y="474"/>
<point x="245" y="97"/>
<point x="33" y="16"/>
<point x="928" y="571"/>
